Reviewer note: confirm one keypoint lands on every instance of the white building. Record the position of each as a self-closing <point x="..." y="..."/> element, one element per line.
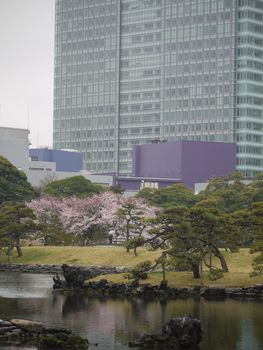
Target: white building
<point x="14" y="146"/>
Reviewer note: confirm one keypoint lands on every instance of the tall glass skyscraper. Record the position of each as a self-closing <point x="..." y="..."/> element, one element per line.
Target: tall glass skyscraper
<point x="128" y="72"/>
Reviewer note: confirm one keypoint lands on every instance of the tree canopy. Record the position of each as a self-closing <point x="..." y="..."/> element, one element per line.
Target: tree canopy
<point x="177" y="194"/>
<point x="77" y="186"/>
<point x="192" y="229"/>
<point x="16" y="222"/>
<point x="13" y="183"/>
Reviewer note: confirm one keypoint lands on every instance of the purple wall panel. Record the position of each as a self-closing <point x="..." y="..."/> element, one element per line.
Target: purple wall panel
<point x="188" y="161"/>
<point x="202" y="161"/>
<point x="128" y="184"/>
<point x="162" y="160"/>
<point x="65" y="160"/>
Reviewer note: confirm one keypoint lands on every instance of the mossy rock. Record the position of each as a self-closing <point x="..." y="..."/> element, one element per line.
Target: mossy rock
<point x="62" y="341"/>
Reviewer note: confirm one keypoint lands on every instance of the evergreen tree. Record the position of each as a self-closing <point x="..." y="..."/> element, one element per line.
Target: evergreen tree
<point x="177" y="194"/>
<point x="77" y="186"/>
<point x="13" y="183"/>
<point x="17" y="221"/>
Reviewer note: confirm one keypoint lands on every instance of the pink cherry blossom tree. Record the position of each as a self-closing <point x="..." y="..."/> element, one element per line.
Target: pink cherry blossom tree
<point x="127" y="218"/>
<point x="48" y="211"/>
<point x="82" y="215"/>
<point x="79" y="216"/>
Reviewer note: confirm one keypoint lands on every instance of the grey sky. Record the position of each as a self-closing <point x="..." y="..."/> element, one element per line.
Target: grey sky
<point x="26" y="66"/>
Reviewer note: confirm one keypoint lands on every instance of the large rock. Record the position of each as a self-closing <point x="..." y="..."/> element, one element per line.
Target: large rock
<point x="178" y="333"/>
<point x="187" y="331"/>
<point x="26" y="325"/>
<point x="76" y="275"/>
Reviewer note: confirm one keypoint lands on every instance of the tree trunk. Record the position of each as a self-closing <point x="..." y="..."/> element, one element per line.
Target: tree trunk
<point x="135" y="251"/>
<point x="10" y="255"/>
<point x="18" y="248"/>
<point x="163" y="270"/>
<point x="127" y="236"/>
<point x="195" y="270"/>
<point x="201" y="272"/>
<point x="210" y="260"/>
<point x="222" y="259"/>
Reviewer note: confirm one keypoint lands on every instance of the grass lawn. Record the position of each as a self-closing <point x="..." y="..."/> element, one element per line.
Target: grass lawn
<point x="239" y="263"/>
<point x="97" y="255"/>
<point x="185" y="279"/>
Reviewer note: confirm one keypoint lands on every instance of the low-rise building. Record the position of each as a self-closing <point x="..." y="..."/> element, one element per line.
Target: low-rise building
<point x="66" y="160"/>
<point x="14" y="146"/>
<point x="188" y="162"/>
<point x="156" y="165"/>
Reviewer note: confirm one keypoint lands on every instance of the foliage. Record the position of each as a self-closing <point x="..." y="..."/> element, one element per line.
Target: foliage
<point x="139" y="271"/>
<point x="213" y="229"/>
<point x="163" y="262"/>
<point x="176" y="194"/>
<point x="256" y="188"/>
<point x="132" y="222"/>
<point x="81" y="217"/>
<point x="215" y="274"/>
<point x="226" y="215"/>
<point x="244" y="204"/>
<point x="196" y="234"/>
<point x="48" y="213"/>
<point x="77" y="186"/>
<point x="16" y="221"/>
<point x="230" y="192"/>
<point x="134" y="243"/>
<point x="44" y="182"/>
<point x="173" y="226"/>
<point x="13" y="183"/>
<point x="117" y="189"/>
<point x="256" y="219"/>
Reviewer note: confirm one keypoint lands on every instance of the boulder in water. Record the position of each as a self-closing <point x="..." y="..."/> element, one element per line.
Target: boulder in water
<point x="178" y="333"/>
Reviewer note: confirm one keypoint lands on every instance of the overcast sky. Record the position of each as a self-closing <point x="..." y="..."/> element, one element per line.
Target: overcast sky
<point x="26" y="66"/>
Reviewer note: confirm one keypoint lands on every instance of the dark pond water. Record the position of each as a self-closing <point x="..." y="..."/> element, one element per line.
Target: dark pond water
<point x="228" y="325"/>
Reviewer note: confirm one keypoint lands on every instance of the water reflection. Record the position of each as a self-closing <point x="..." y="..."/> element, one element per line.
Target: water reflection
<point x="17" y="285"/>
<point x="111" y="322"/>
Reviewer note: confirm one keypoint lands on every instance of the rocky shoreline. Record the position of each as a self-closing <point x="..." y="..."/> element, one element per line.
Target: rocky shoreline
<point x="87" y="271"/>
<point x="105" y="288"/>
<point x="31" y="268"/>
<point x="33" y="333"/>
<point x="178" y="333"/>
<point x="76" y="279"/>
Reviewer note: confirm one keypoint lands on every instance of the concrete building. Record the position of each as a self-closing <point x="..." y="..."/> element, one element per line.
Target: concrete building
<point x="154" y="165"/>
<point x="14" y="146"/>
<point x="65" y="160"/>
<point x="130" y="71"/>
<point x="188" y="162"/>
<point x="47" y="164"/>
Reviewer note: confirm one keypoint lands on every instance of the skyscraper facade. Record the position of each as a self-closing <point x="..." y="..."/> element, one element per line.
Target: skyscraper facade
<point x="128" y="72"/>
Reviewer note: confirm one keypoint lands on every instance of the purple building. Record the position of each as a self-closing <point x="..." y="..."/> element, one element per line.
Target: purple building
<point x="66" y="160"/>
<point x="188" y="162"/>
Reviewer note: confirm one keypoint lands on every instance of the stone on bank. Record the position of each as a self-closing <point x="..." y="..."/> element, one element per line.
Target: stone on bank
<point x="33" y="333"/>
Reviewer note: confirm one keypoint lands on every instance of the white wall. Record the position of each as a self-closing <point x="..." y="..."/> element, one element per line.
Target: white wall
<point x="39" y="174"/>
<point x="14" y="146"/>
